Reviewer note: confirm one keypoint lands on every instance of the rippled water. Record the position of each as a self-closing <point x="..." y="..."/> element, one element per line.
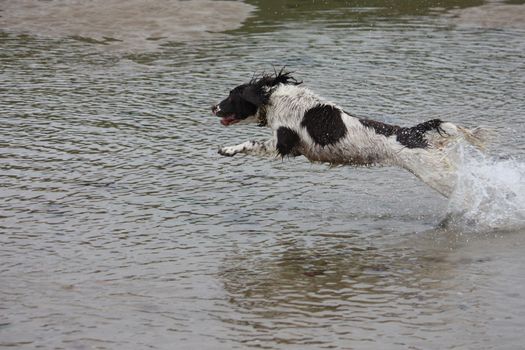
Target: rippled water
<point x="121" y="227"/>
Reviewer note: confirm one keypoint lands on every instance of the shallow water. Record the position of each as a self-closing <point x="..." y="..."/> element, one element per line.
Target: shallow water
<point x="122" y="228"/>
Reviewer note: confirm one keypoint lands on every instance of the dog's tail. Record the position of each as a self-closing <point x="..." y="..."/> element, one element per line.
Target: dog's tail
<point x="478" y="137"/>
<point x="449" y="133"/>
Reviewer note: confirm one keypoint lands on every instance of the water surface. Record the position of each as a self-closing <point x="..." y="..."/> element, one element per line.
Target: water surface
<point x="121" y="227"/>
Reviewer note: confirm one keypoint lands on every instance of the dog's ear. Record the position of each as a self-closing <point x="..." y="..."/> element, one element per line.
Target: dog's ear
<point x="253" y="95"/>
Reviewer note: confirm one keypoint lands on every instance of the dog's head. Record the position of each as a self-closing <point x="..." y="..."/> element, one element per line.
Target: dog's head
<point x="245" y="100"/>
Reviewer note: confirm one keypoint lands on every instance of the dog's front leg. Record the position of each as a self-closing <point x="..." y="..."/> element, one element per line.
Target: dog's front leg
<point x="257" y="148"/>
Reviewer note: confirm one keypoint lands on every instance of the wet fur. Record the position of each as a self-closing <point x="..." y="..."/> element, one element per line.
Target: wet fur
<point x="305" y="124"/>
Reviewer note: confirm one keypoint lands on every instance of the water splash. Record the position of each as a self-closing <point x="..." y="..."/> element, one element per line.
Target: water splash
<point x="489" y="194"/>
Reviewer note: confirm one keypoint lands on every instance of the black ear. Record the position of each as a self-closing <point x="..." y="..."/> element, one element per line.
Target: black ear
<point x="254" y="95"/>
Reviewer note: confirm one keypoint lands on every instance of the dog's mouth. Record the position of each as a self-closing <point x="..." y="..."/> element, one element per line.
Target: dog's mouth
<point x="229" y="120"/>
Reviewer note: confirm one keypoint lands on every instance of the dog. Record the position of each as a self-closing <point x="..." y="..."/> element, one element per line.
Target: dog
<point x="305" y="124"/>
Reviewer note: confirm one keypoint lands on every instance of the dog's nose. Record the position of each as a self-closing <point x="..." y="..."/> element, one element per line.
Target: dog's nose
<point x="215" y="109"/>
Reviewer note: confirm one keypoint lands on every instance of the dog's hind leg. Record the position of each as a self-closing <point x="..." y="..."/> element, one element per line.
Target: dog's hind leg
<point x="257" y="148"/>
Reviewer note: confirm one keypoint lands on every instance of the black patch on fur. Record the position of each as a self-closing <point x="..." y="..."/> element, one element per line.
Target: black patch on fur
<point x="380" y="128"/>
<point x="246" y="99"/>
<point x="409" y="137"/>
<point x="413" y="137"/>
<point x="287" y="140"/>
<point x="278" y="77"/>
<point x="235" y="104"/>
<point x="324" y="124"/>
<point x="259" y="89"/>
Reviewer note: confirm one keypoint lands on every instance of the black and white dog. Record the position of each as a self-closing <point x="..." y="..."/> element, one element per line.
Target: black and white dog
<point x="305" y="124"/>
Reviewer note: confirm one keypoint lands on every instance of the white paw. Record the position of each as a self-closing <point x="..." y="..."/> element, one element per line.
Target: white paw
<point x="228" y="151"/>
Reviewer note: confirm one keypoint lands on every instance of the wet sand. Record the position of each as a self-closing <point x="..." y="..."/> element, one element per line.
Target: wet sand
<point x="493" y="15"/>
<point x="124" y="25"/>
<point x="141" y="25"/>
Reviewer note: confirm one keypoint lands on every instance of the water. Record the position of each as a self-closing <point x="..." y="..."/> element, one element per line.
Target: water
<point x="121" y="227"/>
<point x="490" y="193"/>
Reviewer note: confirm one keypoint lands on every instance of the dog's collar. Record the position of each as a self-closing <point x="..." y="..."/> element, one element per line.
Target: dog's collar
<point x="262" y="114"/>
<point x="261" y="117"/>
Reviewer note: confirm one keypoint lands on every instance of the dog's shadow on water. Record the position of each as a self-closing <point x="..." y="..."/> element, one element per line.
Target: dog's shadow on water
<point x="336" y="279"/>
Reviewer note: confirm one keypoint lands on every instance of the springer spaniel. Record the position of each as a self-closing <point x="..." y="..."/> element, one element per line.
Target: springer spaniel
<point x="305" y="124"/>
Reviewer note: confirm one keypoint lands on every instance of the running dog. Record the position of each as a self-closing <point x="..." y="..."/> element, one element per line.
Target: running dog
<point x="305" y="124"/>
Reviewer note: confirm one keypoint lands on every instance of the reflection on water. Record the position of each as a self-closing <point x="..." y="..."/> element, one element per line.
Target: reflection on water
<point x="431" y="290"/>
<point x="313" y="295"/>
<point x="120" y="226"/>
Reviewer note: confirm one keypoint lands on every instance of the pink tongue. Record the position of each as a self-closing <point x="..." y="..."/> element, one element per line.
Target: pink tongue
<point x="228" y="120"/>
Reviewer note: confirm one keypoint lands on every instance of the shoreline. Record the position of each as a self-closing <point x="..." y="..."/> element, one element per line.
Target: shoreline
<point x="135" y="26"/>
<point x="128" y="25"/>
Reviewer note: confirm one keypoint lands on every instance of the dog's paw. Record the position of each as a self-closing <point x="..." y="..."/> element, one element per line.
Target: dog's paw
<point x="228" y="151"/>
